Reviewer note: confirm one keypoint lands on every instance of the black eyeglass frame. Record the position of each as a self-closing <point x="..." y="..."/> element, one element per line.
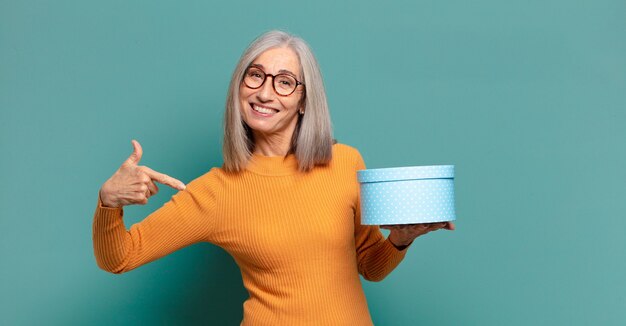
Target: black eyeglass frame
<point x="273" y="78"/>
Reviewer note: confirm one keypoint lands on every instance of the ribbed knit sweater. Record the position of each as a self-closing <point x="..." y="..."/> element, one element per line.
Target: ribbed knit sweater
<point x="296" y="237"/>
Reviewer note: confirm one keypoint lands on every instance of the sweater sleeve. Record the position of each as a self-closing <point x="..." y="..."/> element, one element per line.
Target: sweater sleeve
<point x="184" y="220"/>
<point x="376" y="256"/>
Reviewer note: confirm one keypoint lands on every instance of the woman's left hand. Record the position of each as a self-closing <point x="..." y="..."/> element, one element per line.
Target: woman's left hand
<point x="404" y="234"/>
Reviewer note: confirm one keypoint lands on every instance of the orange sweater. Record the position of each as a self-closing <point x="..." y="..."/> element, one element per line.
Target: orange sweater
<point x="296" y="237"/>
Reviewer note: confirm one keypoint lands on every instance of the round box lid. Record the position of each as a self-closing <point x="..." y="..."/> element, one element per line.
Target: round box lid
<point x="406" y="173"/>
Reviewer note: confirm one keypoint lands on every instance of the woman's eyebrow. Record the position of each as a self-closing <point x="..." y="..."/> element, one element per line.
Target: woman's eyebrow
<point x="282" y="71"/>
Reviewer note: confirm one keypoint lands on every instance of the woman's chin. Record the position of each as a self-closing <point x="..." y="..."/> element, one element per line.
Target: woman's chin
<point x="262" y="127"/>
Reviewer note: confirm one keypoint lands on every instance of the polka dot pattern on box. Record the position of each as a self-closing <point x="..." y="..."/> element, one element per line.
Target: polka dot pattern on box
<point x="407" y="195"/>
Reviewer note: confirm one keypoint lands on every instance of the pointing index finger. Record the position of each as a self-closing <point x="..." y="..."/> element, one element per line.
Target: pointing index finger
<point x="164" y="179"/>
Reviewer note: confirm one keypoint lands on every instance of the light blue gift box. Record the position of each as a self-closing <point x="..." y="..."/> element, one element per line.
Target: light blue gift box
<point x="407" y="195"/>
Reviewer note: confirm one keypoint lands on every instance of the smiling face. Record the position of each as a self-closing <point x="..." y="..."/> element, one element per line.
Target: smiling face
<point x="269" y="115"/>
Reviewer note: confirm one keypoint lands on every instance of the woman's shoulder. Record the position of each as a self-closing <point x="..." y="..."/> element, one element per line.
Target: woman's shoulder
<point x="345" y="149"/>
<point x="344" y="152"/>
<point x="208" y="180"/>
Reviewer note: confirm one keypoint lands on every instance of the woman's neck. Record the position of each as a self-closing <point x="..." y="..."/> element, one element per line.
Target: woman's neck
<point x="271" y="145"/>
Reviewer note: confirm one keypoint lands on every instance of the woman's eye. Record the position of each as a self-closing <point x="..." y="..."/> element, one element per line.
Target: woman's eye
<point x="285" y="81"/>
<point x="255" y="74"/>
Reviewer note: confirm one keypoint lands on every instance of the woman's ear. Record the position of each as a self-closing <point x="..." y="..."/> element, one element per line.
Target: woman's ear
<point x="301" y="105"/>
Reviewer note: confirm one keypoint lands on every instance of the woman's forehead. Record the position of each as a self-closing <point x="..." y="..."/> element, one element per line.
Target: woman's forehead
<point x="278" y="60"/>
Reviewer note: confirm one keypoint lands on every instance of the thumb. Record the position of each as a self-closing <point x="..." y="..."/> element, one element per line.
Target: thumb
<point x="135" y="157"/>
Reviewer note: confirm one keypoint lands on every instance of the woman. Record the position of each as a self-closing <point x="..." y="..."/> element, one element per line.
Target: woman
<point x="285" y="204"/>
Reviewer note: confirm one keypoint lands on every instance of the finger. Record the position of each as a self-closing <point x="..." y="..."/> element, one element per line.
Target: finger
<point x="141" y="199"/>
<point x="437" y="226"/>
<point x="164" y="178"/>
<point x="141" y="189"/>
<point x="135" y="157"/>
<point x="153" y="188"/>
<point x="391" y="226"/>
<point x="135" y="199"/>
<point x="450" y="226"/>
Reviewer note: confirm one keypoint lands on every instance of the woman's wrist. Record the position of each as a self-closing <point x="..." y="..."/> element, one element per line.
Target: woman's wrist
<point x="105" y="204"/>
<point x="400" y="247"/>
<point x="398" y="244"/>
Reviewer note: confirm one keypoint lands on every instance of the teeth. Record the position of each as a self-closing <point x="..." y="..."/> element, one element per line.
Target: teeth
<point x="262" y="110"/>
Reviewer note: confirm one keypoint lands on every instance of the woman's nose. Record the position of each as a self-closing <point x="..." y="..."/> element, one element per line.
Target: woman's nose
<point x="266" y="92"/>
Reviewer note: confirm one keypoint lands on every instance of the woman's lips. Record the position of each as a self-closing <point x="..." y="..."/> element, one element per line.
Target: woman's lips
<point x="262" y="111"/>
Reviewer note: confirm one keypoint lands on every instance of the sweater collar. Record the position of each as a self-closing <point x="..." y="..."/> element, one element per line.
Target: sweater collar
<point x="273" y="165"/>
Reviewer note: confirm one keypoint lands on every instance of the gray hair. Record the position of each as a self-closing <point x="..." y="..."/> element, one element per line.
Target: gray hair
<point x="312" y="139"/>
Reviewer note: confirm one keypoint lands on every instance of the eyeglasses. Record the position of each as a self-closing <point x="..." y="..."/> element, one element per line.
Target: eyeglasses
<point x="284" y="84"/>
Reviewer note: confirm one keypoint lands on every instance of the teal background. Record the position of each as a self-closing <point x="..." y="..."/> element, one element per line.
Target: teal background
<point x="526" y="98"/>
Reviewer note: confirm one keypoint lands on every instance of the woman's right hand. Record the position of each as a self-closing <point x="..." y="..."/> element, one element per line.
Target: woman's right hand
<point x="132" y="184"/>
